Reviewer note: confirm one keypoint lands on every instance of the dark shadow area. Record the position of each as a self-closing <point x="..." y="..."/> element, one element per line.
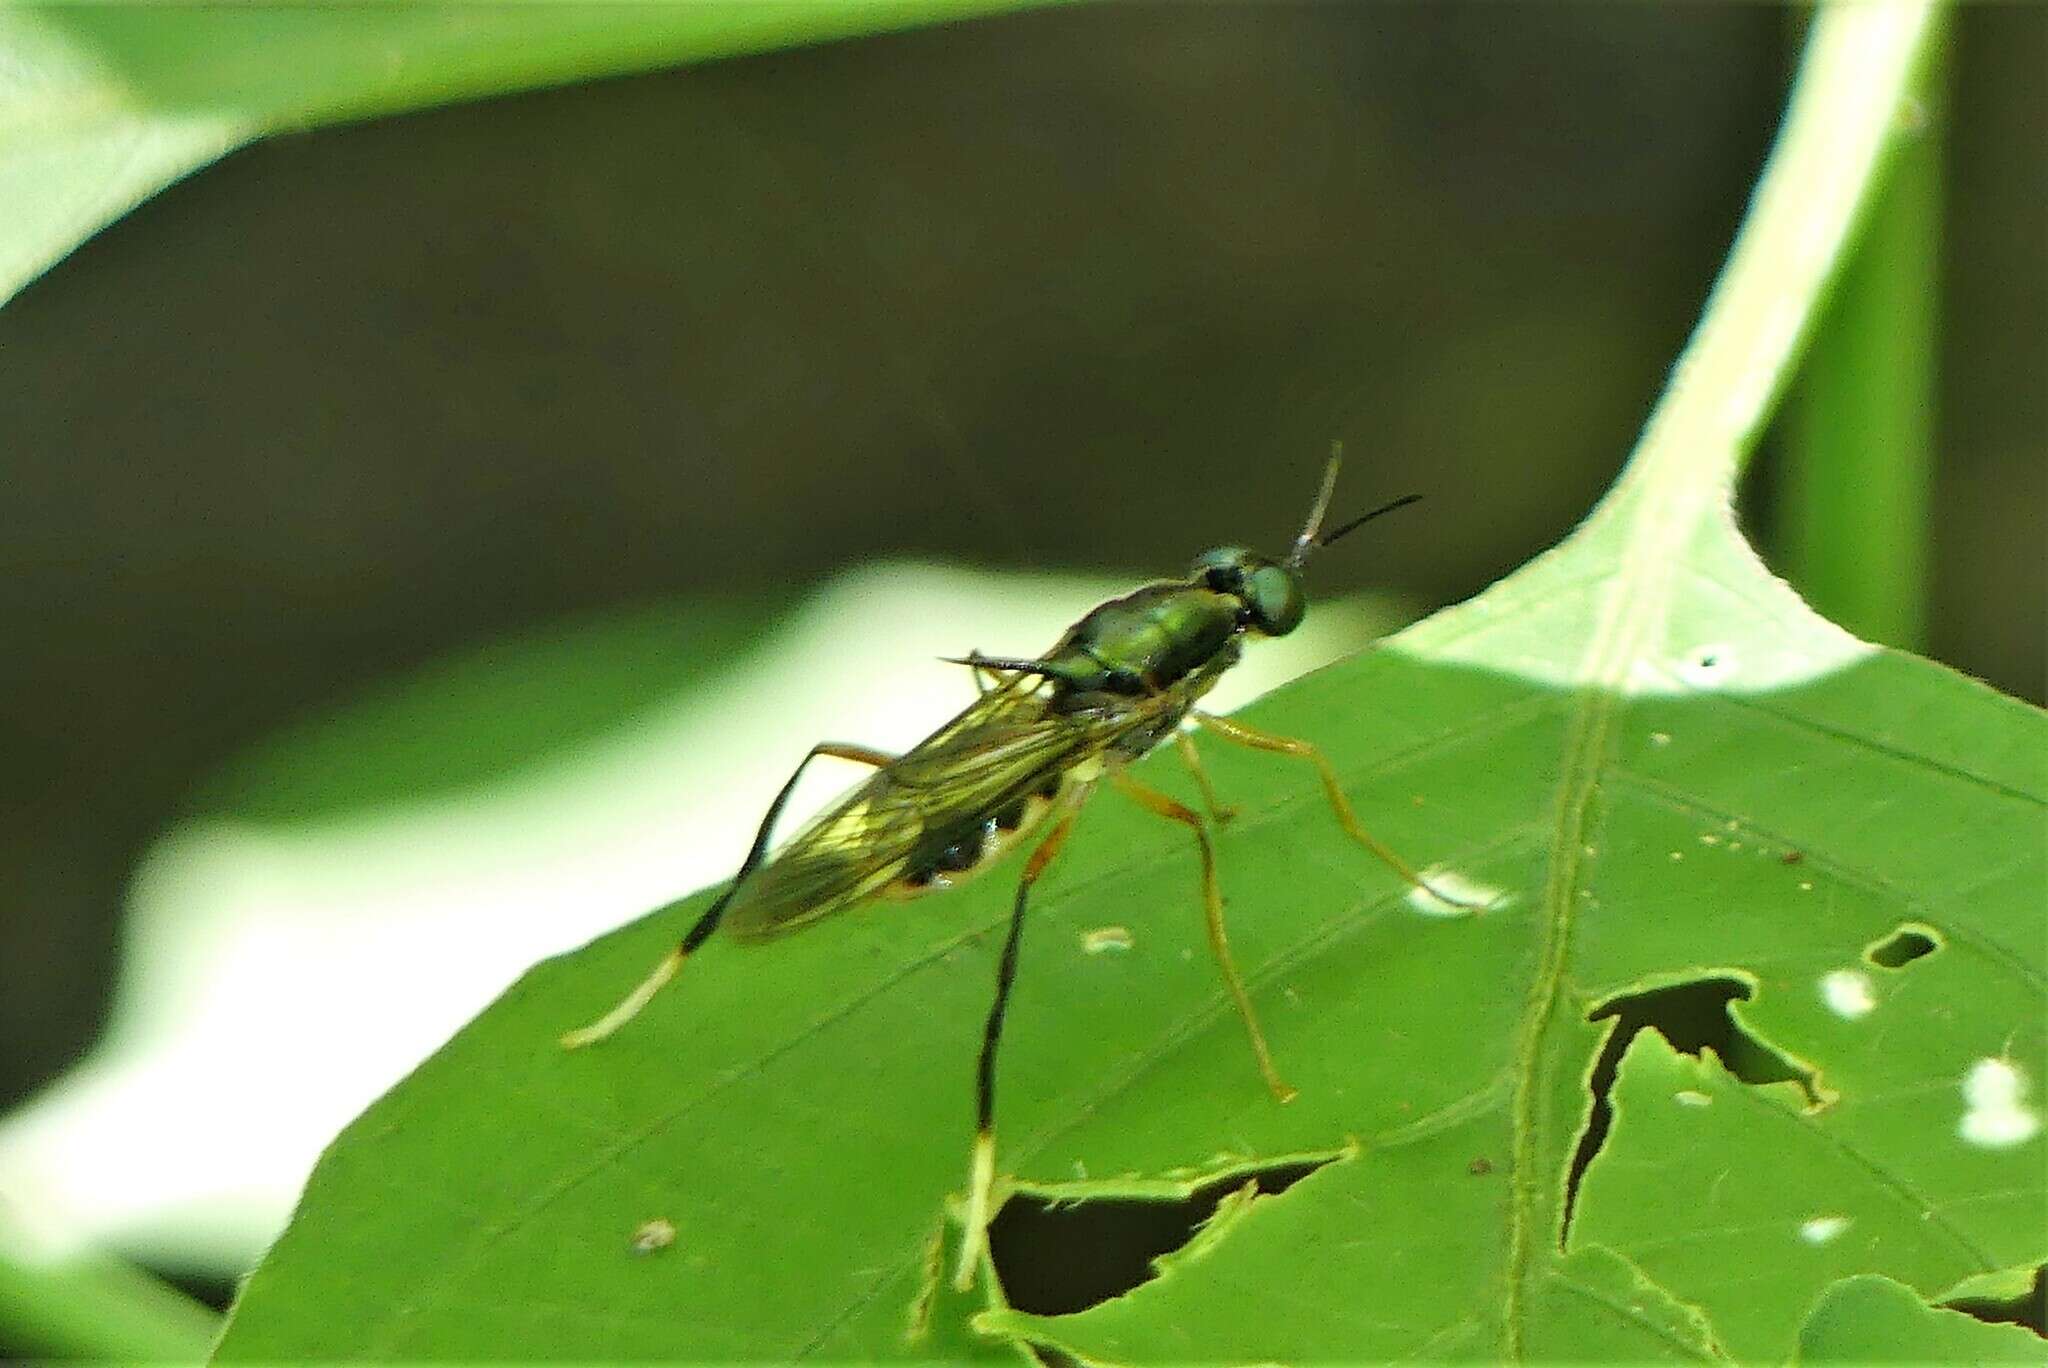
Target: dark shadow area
<point x="1902" y="947"/>
<point x="2029" y="1309"/>
<point x="1694" y="1017"/>
<point x="1049" y="1355"/>
<point x="215" y="1292"/>
<point x="1056" y="1258"/>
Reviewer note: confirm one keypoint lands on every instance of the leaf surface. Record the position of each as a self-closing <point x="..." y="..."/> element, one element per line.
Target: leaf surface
<point x="1872" y="1319"/>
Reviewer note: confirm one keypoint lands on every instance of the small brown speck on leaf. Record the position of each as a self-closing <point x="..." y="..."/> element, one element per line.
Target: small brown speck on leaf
<point x="1792" y="857"/>
<point x="1479" y="1167"/>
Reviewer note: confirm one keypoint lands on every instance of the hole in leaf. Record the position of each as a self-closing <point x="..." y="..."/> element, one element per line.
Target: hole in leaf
<point x="1903" y="946"/>
<point x="1057" y="1256"/>
<point x="2029" y="1308"/>
<point x="1694" y="1017"/>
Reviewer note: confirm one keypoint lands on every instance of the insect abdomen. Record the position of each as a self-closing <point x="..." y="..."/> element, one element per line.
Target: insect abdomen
<point x="951" y="857"/>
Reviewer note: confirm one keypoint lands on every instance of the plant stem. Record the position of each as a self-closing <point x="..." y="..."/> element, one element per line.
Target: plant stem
<point x="1858" y="451"/>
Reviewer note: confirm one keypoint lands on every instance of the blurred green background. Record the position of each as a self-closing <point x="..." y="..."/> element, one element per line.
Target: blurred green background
<point x="1081" y="289"/>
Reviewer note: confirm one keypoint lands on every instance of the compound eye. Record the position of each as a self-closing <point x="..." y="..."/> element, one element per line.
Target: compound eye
<point x="1276" y="600"/>
<point x="1221" y="569"/>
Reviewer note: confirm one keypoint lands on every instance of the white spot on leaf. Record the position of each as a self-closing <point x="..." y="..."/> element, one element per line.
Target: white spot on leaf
<point x="656" y="1234"/>
<point x="1465" y="896"/>
<point x="1686" y="1097"/>
<point x="1847" y="993"/>
<point x="1995" y="1091"/>
<point x="1821" y="1229"/>
<point x="1104" y="938"/>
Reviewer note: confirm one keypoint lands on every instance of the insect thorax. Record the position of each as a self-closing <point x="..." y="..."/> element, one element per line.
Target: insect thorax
<point x="1148" y="641"/>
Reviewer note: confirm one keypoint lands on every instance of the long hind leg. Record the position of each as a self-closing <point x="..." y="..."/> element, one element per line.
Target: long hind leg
<point x="1332" y="790"/>
<point x="981" y="1168"/>
<point x="630" y="1005"/>
<point x="1152" y="800"/>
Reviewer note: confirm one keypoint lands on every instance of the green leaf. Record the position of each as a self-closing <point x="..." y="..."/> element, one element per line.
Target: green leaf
<point x="1786" y="1202"/>
<point x="104" y="105"/>
<point x="1872" y="1319"/>
<point x="1660" y="766"/>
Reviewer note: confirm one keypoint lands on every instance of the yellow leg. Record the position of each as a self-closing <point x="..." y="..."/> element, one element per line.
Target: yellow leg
<point x="1185" y="744"/>
<point x="1346" y="818"/>
<point x="1153" y="800"/>
<point x="981" y="1181"/>
<point x="630" y="1005"/>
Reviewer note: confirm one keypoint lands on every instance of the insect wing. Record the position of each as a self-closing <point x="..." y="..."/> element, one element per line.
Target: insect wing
<point x="973" y="763"/>
<point x="1004" y="745"/>
<point x="851" y="851"/>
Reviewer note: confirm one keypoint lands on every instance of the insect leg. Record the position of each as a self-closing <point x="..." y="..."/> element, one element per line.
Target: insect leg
<point x="1346" y="818"/>
<point x="981" y="1170"/>
<point x="1185" y="744"/>
<point x="629" y="1006"/>
<point x="1152" y="800"/>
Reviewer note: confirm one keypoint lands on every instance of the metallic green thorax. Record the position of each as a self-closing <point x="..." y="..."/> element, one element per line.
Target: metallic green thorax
<point x="1145" y="641"/>
<point x="1168" y="637"/>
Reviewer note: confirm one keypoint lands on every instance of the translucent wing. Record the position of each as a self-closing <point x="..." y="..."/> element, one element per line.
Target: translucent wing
<point x="1002" y="748"/>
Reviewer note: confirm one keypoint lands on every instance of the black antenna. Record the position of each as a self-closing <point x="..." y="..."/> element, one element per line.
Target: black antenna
<point x="1363" y="519"/>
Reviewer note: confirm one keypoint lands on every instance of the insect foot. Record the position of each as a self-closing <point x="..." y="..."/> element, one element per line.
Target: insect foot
<point x="629" y="1007"/>
<point x="981" y="1181"/>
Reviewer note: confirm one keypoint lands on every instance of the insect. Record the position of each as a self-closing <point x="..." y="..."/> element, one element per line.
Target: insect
<point x="1044" y="733"/>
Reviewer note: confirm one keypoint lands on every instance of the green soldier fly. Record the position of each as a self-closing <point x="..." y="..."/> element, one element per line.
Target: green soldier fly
<point x="1043" y="734"/>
